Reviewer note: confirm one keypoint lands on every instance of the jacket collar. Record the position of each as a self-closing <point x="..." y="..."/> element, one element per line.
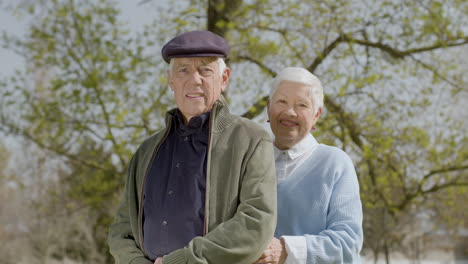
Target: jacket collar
<point x="220" y="115"/>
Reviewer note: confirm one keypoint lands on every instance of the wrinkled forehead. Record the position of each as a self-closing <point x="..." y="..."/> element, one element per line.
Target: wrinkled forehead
<point x="194" y="61"/>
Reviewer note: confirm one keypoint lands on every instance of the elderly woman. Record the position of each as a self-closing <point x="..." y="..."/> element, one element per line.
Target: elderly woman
<point x="319" y="209"/>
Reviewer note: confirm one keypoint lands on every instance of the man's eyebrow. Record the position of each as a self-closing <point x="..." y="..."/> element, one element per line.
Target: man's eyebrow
<point x="206" y="62"/>
<point x="206" y="66"/>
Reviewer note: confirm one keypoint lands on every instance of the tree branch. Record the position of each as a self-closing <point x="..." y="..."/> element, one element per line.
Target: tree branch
<point x="325" y="52"/>
<point x="262" y="66"/>
<point x="21" y="132"/>
<point x="435" y="72"/>
<point x="435" y="187"/>
<point x="220" y="10"/>
<point x="444" y="170"/>
<point x="347" y="119"/>
<point x="400" y="54"/>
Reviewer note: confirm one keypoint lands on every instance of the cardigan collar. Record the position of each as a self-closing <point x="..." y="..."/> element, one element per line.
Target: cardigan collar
<point x="307" y="144"/>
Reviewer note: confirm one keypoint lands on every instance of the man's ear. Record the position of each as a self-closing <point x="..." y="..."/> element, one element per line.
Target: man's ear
<point x="169" y="79"/>
<point x="225" y="78"/>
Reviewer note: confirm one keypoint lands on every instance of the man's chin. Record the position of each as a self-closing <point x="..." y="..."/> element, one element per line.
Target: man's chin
<point x="193" y="112"/>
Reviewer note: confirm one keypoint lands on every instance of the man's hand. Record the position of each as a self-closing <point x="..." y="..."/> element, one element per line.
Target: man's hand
<point x="158" y="261"/>
<point x="274" y="253"/>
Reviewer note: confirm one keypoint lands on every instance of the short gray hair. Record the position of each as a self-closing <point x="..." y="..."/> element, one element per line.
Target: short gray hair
<point x="301" y="75"/>
<point x="219" y="60"/>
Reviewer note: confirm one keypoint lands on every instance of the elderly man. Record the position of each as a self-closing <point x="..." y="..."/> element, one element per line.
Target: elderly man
<point x="202" y="190"/>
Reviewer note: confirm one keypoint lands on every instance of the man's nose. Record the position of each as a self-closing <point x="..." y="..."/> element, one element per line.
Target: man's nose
<point x="196" y="78"/>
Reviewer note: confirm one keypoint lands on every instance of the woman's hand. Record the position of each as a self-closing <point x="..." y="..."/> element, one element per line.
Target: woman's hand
<point x="274" y="253"/>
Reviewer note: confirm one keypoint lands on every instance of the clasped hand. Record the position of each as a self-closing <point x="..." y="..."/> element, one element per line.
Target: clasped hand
<point x="275" y="252"/>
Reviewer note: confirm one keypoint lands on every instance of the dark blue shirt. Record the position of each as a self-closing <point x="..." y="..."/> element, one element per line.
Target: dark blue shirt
<point x="174" y="194"/>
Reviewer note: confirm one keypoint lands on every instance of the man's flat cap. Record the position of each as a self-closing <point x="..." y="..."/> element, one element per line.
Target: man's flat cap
<point x="195" y="44"/>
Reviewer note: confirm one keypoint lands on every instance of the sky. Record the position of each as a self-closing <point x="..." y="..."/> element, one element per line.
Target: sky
<point x="9" y="60"/>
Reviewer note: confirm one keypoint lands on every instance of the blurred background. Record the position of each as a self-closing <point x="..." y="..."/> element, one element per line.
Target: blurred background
<point x="82" y="84"/>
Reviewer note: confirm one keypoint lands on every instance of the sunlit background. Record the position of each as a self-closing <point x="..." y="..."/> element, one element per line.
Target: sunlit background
<point x="82" y="83"/>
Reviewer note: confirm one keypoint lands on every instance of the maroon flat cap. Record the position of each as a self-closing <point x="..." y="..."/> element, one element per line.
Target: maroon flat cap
<point x="195" y="44"/>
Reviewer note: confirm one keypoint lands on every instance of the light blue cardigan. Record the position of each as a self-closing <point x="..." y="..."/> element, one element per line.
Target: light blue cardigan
<point x="320" y="201"/>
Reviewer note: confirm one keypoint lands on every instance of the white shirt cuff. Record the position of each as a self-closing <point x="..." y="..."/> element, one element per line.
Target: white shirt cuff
<point x="296" y="247"/>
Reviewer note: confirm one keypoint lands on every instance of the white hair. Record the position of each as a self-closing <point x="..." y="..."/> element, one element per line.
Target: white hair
<point x="301" y="75"/>
<point x="219" y="60"/>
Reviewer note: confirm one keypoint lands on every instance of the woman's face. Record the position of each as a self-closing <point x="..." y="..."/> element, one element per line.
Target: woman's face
<point x="291" y="113"/>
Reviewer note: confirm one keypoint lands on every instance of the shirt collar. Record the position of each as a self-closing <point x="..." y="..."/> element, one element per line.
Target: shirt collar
<point x="196" y="123"/>
<point x="307" y="144"/>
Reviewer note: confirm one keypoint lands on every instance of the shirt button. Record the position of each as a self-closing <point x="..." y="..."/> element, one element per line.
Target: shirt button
<point x="164" y="223"/>
<point x="177" y="165"/>
<point x="185" y="138"/>
<point x="171" y="193"/>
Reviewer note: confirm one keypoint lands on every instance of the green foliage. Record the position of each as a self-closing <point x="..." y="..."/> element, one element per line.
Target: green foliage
<point x="391" y="72"/>
<point x="88" y="95"/>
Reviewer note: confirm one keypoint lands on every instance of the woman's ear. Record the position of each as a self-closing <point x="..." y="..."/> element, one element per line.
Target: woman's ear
<point x="316" y="117"/>
<point x="318" y="114"/>
<point x="268" y="108"/>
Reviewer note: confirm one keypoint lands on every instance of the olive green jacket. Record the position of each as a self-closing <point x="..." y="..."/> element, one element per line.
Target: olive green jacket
<point x="240" y="208"/>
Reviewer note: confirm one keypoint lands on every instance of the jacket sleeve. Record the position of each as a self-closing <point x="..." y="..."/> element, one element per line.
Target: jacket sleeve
<point x="342" y="241"/>
<point x="122" y="244"/>
<point x="242" y="238"/>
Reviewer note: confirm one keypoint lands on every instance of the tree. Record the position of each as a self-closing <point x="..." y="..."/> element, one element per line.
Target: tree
<point x="41" y="221"/>
<point x="93" y="95"/>
<point x="8" y="201"/>
<point x="391" y="72"/>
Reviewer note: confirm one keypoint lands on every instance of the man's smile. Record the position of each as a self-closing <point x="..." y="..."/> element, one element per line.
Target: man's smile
<point x="194" y="95"/>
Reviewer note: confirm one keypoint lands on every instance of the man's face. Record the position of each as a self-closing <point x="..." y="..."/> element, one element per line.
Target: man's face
<point x="197" y="84"/>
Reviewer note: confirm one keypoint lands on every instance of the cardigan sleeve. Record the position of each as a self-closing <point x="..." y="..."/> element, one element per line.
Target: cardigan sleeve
<point x="342" y="240"/>
<point x="296" y="247"/>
